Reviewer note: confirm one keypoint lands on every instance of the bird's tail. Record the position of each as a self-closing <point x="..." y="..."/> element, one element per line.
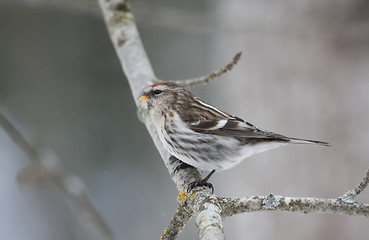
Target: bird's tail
<point x="307" y="141"/>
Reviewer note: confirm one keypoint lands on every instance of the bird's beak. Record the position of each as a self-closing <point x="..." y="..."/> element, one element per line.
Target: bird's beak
<point x="144" y="98"/>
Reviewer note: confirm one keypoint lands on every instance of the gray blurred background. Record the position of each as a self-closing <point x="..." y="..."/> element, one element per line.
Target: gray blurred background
<point x="304" y="73"/>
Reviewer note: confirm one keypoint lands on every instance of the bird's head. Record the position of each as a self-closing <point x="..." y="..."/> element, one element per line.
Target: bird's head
<point x="164" y="95"/>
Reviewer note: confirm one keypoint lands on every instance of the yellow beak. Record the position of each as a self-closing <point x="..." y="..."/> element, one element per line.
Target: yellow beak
<point x="144" y="98"/>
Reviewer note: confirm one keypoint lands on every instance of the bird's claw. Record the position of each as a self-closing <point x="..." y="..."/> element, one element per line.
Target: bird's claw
<point x="181" y="166"/>
<point x="200" y="184"/>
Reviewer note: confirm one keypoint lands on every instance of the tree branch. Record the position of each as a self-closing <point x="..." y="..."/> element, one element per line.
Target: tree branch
<point x="350" y="195"/>
<point x="124" y="35"/>
<point x="125" y="38"/>
<point x="17" y="137"/>
<point x="179" y="220"/>
<point x="209" y="220"/>
<point x="195" y="82"/>
<point x="46" y="169"/>
<point x="293" y="204"/>
<point x="342" y="205"/>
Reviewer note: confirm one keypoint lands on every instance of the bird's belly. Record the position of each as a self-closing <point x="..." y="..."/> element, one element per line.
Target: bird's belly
<point x="206" y="152"/>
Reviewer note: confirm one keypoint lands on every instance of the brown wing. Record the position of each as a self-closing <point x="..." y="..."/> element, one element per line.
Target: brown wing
<point x="204" y="118"/>
<point x="235" y="127"/>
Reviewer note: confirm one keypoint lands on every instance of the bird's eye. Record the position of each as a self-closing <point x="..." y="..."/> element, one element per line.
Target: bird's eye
<point x="157" y="91"/>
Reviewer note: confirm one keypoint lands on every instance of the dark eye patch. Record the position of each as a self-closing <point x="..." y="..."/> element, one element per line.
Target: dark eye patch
<point x="157" y="91"/>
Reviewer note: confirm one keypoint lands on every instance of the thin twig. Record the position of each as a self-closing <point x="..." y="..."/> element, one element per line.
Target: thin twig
<point x="349" y="196"/>
<point x="17" y="137"/>
<point x="189" y="83"/>
<point x="363" y="184"/>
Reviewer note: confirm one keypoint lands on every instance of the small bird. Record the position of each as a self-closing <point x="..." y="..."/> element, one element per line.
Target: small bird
<point x="202" y="136"/>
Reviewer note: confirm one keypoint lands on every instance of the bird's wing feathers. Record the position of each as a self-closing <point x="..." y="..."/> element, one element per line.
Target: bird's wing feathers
<point x="234" y="127"/>
<point x="204" y="118"/>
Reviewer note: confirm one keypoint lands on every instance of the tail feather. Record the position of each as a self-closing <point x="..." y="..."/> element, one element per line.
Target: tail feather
<point x="307" y="141"/>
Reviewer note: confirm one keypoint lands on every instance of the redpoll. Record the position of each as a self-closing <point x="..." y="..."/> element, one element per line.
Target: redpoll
<point x="202" y="136"/>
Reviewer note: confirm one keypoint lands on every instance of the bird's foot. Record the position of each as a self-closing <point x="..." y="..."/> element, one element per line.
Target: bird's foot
<point x="201" y="183"/>
<point x="181" y="166"/>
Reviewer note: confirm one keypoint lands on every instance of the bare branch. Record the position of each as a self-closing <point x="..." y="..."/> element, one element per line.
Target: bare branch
<point x="127" y="43"/>
<point x="212" y="76"/>
<point x="363" y="184"/>
<point x="17" y="137"/>
<point x="349" y="196"/>
<point x="46" y="169"/>
<point x="179" y="220"/>
<point x="139" y="73"/>
<point x="124" y="35"/>
<point x="278" y="203"/>
<point x="209" y="220"/>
